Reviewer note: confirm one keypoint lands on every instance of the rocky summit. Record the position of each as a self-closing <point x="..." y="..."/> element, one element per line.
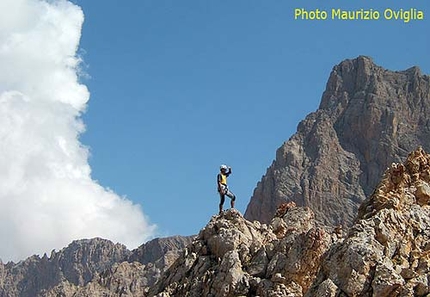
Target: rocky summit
<point x="368" y="118"/>
<point x="385" y="253"/>
<point x="235" y="257"/>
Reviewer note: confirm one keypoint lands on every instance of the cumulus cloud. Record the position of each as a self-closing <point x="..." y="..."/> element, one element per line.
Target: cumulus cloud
<point x="47" y="195"/>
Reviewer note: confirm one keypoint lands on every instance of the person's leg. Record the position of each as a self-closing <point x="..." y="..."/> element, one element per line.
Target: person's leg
<point x="221" y="203"/>
<point x="232" y="197"/>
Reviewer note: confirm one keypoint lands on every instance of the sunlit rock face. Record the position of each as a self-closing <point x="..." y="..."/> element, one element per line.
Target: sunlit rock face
<point x="368" y="118"/>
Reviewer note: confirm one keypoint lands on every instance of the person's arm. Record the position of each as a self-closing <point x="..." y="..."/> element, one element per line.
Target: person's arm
<point x="229" y="171"/>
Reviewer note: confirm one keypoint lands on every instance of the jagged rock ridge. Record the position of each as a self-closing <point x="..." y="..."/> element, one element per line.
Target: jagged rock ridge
<point x="368" y="118"/>
<point x="77" y="264"/>
<point x="83" y="261"/>
<point x="385" y="253"/>
<point x="235" y="257"/>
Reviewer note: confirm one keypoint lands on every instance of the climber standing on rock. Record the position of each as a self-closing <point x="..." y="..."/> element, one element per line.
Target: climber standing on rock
<point x="223" y="190"/>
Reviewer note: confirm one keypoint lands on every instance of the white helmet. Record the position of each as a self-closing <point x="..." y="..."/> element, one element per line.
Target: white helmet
<point x="223" y="167"/>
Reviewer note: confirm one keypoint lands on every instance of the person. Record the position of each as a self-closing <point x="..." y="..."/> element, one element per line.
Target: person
<point x="223" y="190"/>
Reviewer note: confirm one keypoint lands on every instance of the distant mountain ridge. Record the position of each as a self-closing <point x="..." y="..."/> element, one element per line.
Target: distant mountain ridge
<point x="368" y="118"/>
<point x="82" y="261"/>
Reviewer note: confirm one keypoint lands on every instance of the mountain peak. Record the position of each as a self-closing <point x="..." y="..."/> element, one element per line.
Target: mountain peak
<point x="368" y="118"/>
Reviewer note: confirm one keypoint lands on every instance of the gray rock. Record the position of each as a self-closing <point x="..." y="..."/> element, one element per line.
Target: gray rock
<point x="237" y="261"/>
<point x="368" y="118"/>
<point x="386" y="252"/>
<point x="76" y="264"/>
<point x="91" y="267"/>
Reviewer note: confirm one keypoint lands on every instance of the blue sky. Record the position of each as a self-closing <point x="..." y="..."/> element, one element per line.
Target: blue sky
<point x="180" y="87"/>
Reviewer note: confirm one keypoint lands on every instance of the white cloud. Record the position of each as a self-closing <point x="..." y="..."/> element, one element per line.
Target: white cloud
<point x="47" y="196"/>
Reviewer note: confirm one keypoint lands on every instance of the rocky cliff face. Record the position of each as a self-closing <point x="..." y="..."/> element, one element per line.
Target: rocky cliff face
<point x="64" y="273"/>
<point x="368" y="118"/>
<point x="385" y="253"/>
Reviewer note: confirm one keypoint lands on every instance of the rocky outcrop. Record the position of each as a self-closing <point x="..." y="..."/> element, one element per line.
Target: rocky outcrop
<point x="235" y="257"/>
<point x="368" y="118"/>
<point x="89" y="266"/>
<point x="386" y="252"/>
<point x="160" y="249"/>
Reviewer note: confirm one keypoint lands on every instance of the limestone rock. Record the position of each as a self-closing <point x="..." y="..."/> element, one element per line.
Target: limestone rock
<point x="368" y="118"/>
<point x="165" y="249"/>
<point x="386" y="252"/>
<point x="235" y="257"/>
